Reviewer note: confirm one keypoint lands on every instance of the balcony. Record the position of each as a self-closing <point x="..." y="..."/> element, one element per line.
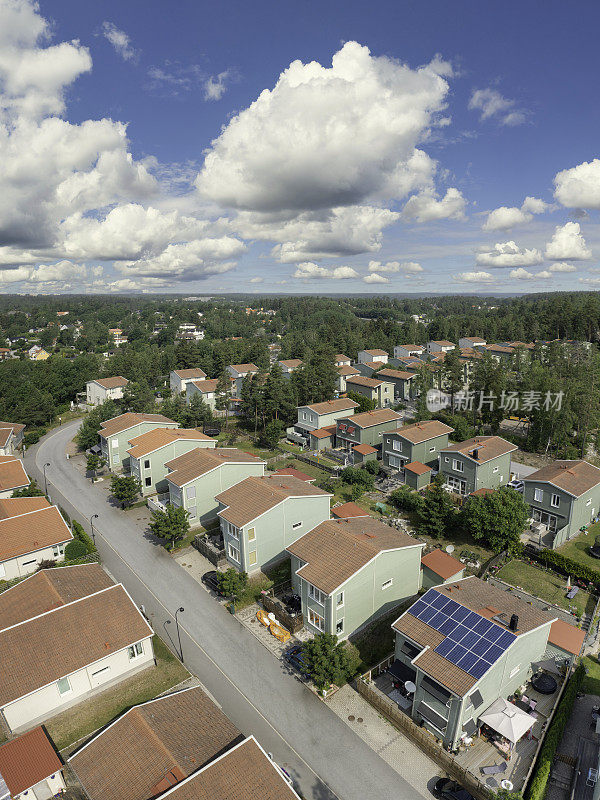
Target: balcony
<point x="538" y="536"/>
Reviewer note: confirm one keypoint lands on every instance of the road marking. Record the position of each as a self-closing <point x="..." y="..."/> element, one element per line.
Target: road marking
<point x="189" y="635"/>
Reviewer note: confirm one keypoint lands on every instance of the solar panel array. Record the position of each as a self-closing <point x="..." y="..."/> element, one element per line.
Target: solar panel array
<point x="472" y="642"/>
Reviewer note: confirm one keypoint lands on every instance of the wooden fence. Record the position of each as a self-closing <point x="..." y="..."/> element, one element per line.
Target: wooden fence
<point x="215" y="555"/>
<point x="293" y="622"/>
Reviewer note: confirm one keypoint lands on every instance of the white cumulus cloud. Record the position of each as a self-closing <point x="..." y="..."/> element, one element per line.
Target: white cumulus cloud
<point x="568" y="243"/>
<point x="509" y="254"/>
<point x="215" y="86"/>
<point x="562" y="266"/>
<point x="503" y="218"/>
<point x="426" y="206"/>
<point x="579" y="187"/>
<point x="474" y="277"/>
<point x="374" y="277"/>
<point x="308" y="270"/>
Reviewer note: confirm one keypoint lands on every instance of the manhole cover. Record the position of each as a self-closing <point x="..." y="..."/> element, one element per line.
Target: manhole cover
<point x="351" y="717"/>
<point x="359" y="719"/>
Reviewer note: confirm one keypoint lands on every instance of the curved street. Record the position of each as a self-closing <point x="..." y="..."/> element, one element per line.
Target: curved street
<point x="323" y="755"/>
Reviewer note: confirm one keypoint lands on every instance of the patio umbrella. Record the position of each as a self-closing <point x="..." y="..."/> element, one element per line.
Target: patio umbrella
<point x="548" y="664"/>
<point x="507" y="719"/>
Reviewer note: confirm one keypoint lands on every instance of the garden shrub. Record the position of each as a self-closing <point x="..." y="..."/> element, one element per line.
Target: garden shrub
<point x="80" y="534"/>
<point x="75" y="549"/>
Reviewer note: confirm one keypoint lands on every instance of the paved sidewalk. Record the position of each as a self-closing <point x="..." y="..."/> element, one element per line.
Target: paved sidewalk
<point x="391" y="745"/>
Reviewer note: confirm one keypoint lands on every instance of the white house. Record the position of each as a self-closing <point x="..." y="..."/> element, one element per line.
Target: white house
<point x="12" y="475"/>
<point x="440" y="346"/>
<point x="190" y="333"/>
<point x="368" y="356"/>
<point x="238" y="372"/>
<point x="59" y="651"/>
<point x="470" y="342"/>
<point x="206" y="388"/>
<point x="11" y="437"/>
<point x="344" y="372"/>
<point x="116" y="433"/>
<point x="179" y="378"/>
<point x="287" y="367"/>
<point x="319" y="415"/>
<point x="30" y="768"/>
<point x="408" y="350"/>
<point x="341" y="360"/>
<point x="100" y="390"/>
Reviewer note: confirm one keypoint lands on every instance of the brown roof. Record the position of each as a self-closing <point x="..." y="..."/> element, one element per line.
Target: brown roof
<point x="574" y="477"/>
<point x="195" y="372"/>
<point x="375" y="365"/>
<point x="348" y="510"/>
<point x="396" y="373"/>
<point x="12" y="475"/>
<point x="364" y="449"/>
<point x="474" y="339"/>
<point x="201" y="460"/>
<point x="417" y="467"/>
<point x="32" y="531"/>
<point x="423" y="431"/>
<point x="329" y="406"/>
<point x="369" y="418"/>
<point x="375" y="352"/>
<point x="482" y="492"/>
<point x="244" y="367"/>
<point x="411" y="347"/>
<point x="48" y="589"/>
<point x="112" y="383"/>
<point x="295" y="473"/>
<point x="337" y="548"/>
<point x="12" y="506"/>
<point x="341" y="357"/>
<point x="443" y="342"/>
<point x="180" y="732"/>
<point x="499" y="348"/>
<point x="44" y="649"/>
<point x="206" y="386"/>
<point x="15" y="427"/>
<point x="360" y="380"/>
<point x="443" y="564"/>
<point x="243" y="773"/>
<point x="128" y="420"/>
<point x="565" y="636"/>
<point x="160" y="437"/>
<point x="292" y="363"/>
<point x="346" y="369"/>
<point x="27" y="760"/>
<point x="323" y="433"/>
<point x="487" y="447"/>
<point x="253" y="496"/>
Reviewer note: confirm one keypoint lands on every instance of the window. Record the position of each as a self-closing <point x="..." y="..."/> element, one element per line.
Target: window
<point x="100" y="672"/>
<point x="252" y="557"/>
<point x="64" y="686"/>
<point x="304" y="415"/>
<point x="316" y="620"/>
<point x="458" y="466"/>
<point x="514" y="671"/>
<point x="339" y="600"/>
<point x="316" y="594"/>
<point x="148" y="481"/>
<point x="135" y="650"/>
<point x="27" y="563"/>
<point x="339" y="628"/>
<point x="432" y="449"/>
<point x="397" y="445"/>
<point x="446" y="459"/>
<point x="555" y="501"/>
<point x="538" y="495"/>
<point x="232" y="530"/>
<point x="116" y="459"/>
<point x="589" y="502"/>
<point x="251" y="534"/>
<point x="2" y="570"/>
<point x="192" y="511"/>
<point x="233" y="553"/>
<point x="387" y="584"/>
<point x="190" y="492"/>
<point x="58" y="550"/>
<point x="296" y="525"/>
<point x="147" y="464"/>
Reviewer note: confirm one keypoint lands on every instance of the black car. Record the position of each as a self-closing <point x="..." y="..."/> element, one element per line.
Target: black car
<point x="211" y="579"/>
<point x="447" y="789"/>
<point x="295" y="658"/>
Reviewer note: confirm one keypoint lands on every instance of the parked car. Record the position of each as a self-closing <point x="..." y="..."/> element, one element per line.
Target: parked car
<point x="447" y="789"/>
<point x="211" y="580"/>
<point x="295" y="658"/>
<point x="517" y="485"/>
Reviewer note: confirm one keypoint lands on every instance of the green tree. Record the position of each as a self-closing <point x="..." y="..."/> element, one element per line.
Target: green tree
<point x="93" y="463"/>
<point x="138" y="397"/>
<point x="497" y="518"/>
<point x="364" y="403"/>
<point x="452" y="374"/>
<point x="405" y="499"/>
<point x="437" y="511"/>
<point x="232" y="583"/>
<point x="327" y="660"/>
<point x="272" y="434"/>
<point x="87" y="435"/>
<point x="32" y="490"/>
<point x="125" y="489"/>
<point x="171" y="525"/>
<point x="223" y="394"/>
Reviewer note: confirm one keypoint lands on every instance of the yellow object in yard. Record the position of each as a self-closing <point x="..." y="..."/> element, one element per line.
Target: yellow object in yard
<point x="263" y="617"/>
<point x="279" y="633"/>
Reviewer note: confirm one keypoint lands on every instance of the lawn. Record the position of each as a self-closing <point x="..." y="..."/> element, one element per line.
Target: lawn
<point x="591" y="682"/>
<point x="191" y="535"/>
<point x="546" y="585"/>
<point x="82" y="720"/>
<point x="372" y="645"/>
<point x="577" y="548"/>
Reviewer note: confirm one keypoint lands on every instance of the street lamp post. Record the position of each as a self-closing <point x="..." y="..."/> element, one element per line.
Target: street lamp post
<point x="47" y="464"/>
<point x="179" y="632"/>
<point x="92" y="518"/>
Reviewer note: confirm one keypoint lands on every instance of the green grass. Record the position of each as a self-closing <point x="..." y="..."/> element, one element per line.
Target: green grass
<point x="546" y="585"/>
<point x="82" y="720"/>
<point x="372" y="645"/>
<point x="577" y="548"/>
<point x="66" y="416"/>
<point x="591" y="682"/>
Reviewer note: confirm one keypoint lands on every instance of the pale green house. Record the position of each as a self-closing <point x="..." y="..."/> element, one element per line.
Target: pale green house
<point x="116" y="433"/>
<point x="420" y="442"/>
<point x="479" y="463"/>
<point x="317" y="416"/>
<point x="194" y="479"/>
<point x="366" y="428"/>
<point x="206" y="388"/>
<point x="260" y="517"/>
<point x="350" y="571"/>
<point x="381" y="392"/>
<point x="150" y="452"/>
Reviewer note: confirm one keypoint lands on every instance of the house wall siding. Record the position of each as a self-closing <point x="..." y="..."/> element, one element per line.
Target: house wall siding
<point x="118" y="444"/>
<point x="572" y="512"/>
<point x="157" y="472"/>
<point x="21" y="566"/>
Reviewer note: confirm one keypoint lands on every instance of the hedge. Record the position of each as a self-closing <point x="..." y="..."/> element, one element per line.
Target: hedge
<point x="75" y="549"/>
<point x="536" y="788"/>
<point x="80" y="534"/>
<point x="567" y="566"/>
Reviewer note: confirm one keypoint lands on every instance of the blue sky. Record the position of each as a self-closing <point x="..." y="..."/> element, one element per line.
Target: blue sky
<point x="170" y="147"/>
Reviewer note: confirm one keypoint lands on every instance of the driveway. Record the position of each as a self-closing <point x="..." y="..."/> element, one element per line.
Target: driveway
<point x="323" y="755"/>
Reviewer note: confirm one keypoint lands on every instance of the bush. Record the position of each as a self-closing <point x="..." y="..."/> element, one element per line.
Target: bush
<point x="406" y="500"/>
<point x="373" y="467"/>
<point x="75" y="549"/>
<point x="82" y="536"/>
<point x="567" y="566"/>
<point x="33" y="437"/>
<point x="536" y="788"/>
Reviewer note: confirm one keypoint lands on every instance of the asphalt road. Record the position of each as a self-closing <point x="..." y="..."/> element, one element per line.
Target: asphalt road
<point x="326" y="759"/>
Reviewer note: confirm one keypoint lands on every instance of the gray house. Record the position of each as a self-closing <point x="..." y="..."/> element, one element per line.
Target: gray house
<point x="365" y="428"/>
<point x="465" y="645"/>
<point x="563" y="496"/>
<point x="320" y="415"/>
<point x="350" y="571"/>
<point x="404" y="382"/>
<point x="479" y="463"/>
<point x="379" y="391"/>
<point x="260" y="517"/>
<point x="421" y="442"/>
<point x="179" y="378"/>
<point x="116" y="433"/>
<point x="194" y="479"/>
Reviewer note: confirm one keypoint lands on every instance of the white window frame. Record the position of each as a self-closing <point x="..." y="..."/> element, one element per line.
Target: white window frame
<point x="116" y="458"/>
<point x="553" y="498"/>
<point x="147" y="463"/>
<point x="432" y="449"/>
<point x="458" y="466"/>
<point x="397" y="445"/>
<point x="233" y="553"/>
<point x="190" y="492"/>
<point x="340" y="603"/>
<point x="514" y="671"/>
<point x="589" y="502"/>
<point x="495" y="470"/>
<point x="148" y="481"/>
<point x="192" y="511"/>
<point x="58" y="550"/>
<point x="296" y="525"/>
<point x="337" y="625"/>
<point x="135" y="650"/>
<point x="317" y="595"/>
<point x="251" y="553"/>
<point x="2" y="570"/>
<point x="538" y="495"/>
<point x="251" y="534"/>
<point x="387" y="584"/>
<point x="233" y="531"/>
<point x="314" y="619"/>
<point x="67" y="691"/>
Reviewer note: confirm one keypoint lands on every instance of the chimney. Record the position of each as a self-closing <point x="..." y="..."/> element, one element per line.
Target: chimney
<point x="475" y="453"/>
<point x="513" y="625"/>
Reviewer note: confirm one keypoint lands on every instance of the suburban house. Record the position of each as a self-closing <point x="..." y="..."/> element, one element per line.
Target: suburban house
<point x="562" y="497"/>
<point x="31" y="531"/>
<point x="11" y="437"/>
<point x="438" y="567"/>
<point x="153" y="746"/>
<point x="193" y="479"/>
<point x="116" y="433"/>
<point x="367" y="356"/>
<point x="100" y="390"/>
<point x="419" y="442"/>
<point x="237" y="373"/>
<point x="117" y="336"/>
<point x="37" y="353"/>
<point x="345" y="371"/>
<point x="380" y="392"/>
<point x="287" y="367"/>
<point x="440" y="346"/>
<point x="179" y="378"/>
<point x="417" y="475"/>
<point x="465" y="645"/>
<point x="30" y="768"/>
<point x="12" y="475"/>
<point x="295" y="473"/>
<point x="189" y="333"/>
<point x="320" y="415"/>
<point x="503" y="354"/>
<point x="482" y="462"/>
<point x="149" y="453"/>
<point x="408" y="350"/>
<point x="260" y="517"/>
<point x="342" y="361"/>
<point x="361" y="453"/>
<point x="365" y="428"/>
<point x="403" y="382"/>
<point x="75" y="642"/>
<point x="206" y="388"/>
<point x="409" y="362"/>
<point x="350" y="571"/>
<point x="470" y="342"/>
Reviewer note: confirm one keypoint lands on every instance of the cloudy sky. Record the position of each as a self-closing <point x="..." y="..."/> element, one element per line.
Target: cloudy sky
<point x="314" y="147"/>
